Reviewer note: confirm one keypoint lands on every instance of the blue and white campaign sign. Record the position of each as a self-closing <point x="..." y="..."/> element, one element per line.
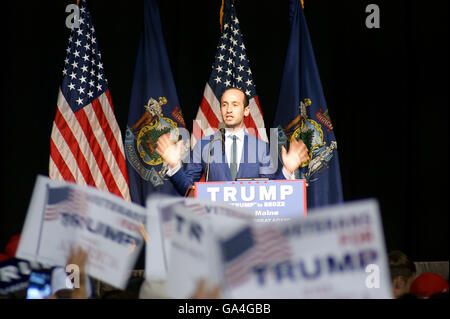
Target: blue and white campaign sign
<point x="164" y="222"/>
<point x="63" y="215"/>
<point x="15" y="274"/>
<point x="274" y="200"/>
<point x="190" y="255"/>
<point x="337" y="252"/>
<point x="194" y="254"/>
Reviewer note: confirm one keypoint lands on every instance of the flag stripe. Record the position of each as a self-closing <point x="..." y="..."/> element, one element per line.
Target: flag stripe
<point x="111" y="132"/>
<point x="196" y="130"/>
<point x="206" y="128"/>
<point x="113" y="168"/>
<point x="112" y="127"/>
<point x="96" y="150"/>
<point x="62" y="167"/>
<point x="256" y="98"/>
<point x="250" y="123"/>
<point x="257" y="117"/>
<point x="54" y="172"/>
<point x="213" y="103"/>
<point x="67" y="156"/>
<point x="208" y="112"/>
<point x="83" y="145"/>
<point x="108" y="96"/>
<point x="115" y="172"/>
<point x="201" y="128"/>
<point x="72" y="144"/>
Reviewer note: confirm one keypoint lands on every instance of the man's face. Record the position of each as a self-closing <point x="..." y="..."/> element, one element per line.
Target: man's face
<point x="232" y="109"/>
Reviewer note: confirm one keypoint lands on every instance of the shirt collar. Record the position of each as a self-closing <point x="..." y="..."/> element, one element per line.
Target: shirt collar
<point x="239" y="134"/>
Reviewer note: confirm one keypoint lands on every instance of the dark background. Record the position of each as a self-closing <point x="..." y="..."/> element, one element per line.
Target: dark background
<point x="387" y="93"/>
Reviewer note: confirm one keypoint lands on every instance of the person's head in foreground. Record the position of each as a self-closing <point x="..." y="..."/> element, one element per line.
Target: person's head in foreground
<point x="403" y="272"/>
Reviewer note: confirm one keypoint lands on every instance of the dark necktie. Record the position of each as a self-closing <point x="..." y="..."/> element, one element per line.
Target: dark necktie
<point x="233" y="164"/>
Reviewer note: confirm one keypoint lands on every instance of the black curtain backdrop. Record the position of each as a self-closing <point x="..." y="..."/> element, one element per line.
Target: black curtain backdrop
<point x="387" y="93"/>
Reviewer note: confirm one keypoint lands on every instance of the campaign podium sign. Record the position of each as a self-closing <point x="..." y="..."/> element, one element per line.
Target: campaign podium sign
<point x="273" y="200"/>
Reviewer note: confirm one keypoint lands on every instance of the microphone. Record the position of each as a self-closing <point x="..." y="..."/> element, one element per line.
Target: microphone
<point x="222" y="134"/>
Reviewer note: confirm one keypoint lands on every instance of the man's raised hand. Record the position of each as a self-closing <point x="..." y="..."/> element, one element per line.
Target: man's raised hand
<point x="169" y="150"/>
<point x="297" y="155"/>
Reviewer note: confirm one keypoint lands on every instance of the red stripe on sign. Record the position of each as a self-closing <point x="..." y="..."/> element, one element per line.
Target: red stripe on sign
<point x="97" y="152"/>
<point x="209" y="113"/>
<point x="72" y="144"/>
<point x="60" y="163"/>
<point x="109" y="136"/>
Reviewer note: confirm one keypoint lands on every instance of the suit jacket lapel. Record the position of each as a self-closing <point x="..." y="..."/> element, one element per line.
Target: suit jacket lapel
<point x="244" y="157"/>
<point x="226" y="168"/>
<point x="222" y="168"/>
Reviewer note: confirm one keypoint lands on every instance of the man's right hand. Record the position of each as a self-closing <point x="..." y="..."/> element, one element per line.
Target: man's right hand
<point x="169" y="150"/>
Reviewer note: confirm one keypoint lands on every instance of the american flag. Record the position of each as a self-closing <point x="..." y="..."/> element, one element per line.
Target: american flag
<point x="252" y="247"/>
<point x="193" y="206"/>
<point x="64" y="200"/>
<point x="86" y="143"/>
<point x="231" y="69"/>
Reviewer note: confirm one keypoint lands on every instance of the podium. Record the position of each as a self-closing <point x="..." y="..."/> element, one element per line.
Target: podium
<point x="271" y="200"/>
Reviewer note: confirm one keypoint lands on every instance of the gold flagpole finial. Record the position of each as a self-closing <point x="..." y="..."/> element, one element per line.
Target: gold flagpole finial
<point x="221" y="17"/>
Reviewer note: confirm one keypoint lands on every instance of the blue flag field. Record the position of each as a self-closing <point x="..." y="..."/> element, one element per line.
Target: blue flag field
<point x="154" y="110"/>
<point x="302" y="113"/>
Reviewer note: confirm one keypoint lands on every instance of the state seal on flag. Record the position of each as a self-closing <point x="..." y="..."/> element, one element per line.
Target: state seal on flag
<point x="141" y="139"/>
<point x="311" y="133"/>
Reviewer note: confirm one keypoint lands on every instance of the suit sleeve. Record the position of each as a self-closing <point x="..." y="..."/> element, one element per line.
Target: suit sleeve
<point x="269" y="164"/>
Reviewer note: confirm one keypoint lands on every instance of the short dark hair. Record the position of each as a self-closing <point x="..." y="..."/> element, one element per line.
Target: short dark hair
<point x="246" y="100"/>
<point x="400" y="265"/>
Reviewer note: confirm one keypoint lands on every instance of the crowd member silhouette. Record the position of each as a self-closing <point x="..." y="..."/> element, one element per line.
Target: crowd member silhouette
<point x="403" y="272"/>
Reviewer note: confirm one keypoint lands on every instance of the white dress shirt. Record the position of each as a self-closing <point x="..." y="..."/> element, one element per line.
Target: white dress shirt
<point x="229" y="145"/>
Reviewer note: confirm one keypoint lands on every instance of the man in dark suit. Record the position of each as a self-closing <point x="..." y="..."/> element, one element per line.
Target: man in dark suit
<point x="245" y="156"/>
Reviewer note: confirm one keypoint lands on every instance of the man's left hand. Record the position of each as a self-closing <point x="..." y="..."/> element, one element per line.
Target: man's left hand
<point x="297" y="155"/>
